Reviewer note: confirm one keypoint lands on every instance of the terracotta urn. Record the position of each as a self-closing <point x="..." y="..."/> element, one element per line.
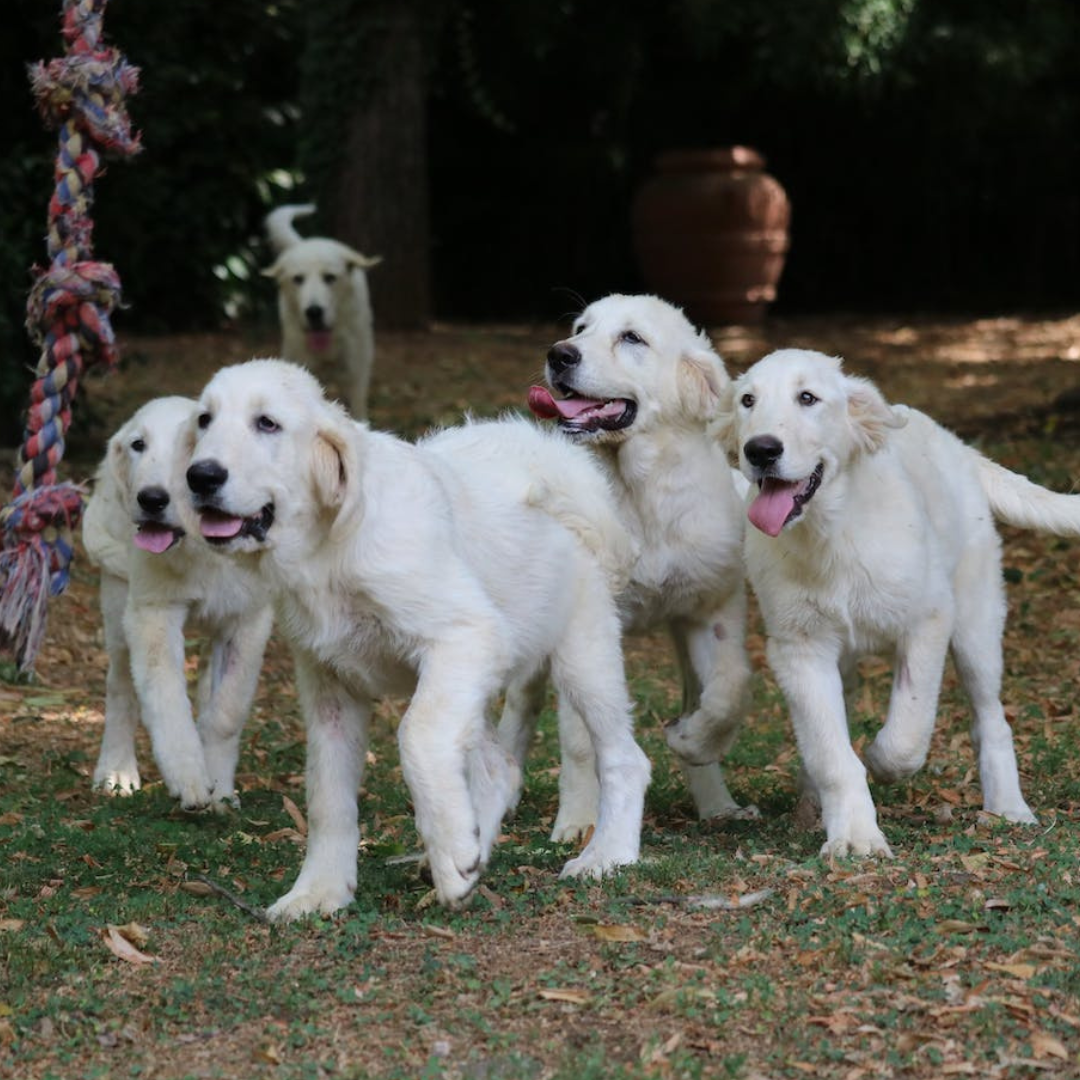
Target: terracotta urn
<point x="710" y="232"/>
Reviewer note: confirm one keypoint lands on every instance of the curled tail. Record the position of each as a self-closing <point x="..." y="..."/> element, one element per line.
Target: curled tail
<point x="279" y="225"/>
<point x="1017" y="501"/>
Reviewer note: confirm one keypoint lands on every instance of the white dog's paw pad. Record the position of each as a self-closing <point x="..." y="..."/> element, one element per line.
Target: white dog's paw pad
<point x="117" y="781"/>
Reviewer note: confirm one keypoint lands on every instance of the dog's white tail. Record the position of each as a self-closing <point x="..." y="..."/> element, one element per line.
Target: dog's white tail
<point x="1017" y="501"/>
<point x="279" y="225"/>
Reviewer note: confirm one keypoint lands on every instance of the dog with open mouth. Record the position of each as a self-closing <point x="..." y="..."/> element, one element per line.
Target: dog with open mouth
<point x="636" y="384"/>
<point x="873" y="531"/>
<point x="159" y="579"/>
<point x="449" y="570"/>
<point x="324" y="304"/>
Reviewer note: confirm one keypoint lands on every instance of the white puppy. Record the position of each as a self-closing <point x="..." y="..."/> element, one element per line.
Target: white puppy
<point x="637" y="384"/>
<point x="449" y="569"/>
<point x="323" y="302"/>
<point x="874" y="531"/>
<point x="155" y="581"/>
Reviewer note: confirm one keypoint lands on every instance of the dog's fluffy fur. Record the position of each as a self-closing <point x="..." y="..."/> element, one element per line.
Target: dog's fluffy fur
<point x="874" y="530"/>
<point x="452" y="569"/>
<point x="157" y="576"/>
<point x="637" y="384"/>
<point x="323" y="303"/>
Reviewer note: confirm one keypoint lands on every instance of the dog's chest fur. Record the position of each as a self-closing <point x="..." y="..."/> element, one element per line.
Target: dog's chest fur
<point x="347" y="632"/>
<point x="677" y="499"/>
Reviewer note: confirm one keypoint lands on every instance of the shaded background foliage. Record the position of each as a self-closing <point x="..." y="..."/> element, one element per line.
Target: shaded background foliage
<point x="930" y="149"/>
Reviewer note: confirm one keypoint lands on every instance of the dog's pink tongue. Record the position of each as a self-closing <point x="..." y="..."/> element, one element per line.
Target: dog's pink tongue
<point x="773" y="506"/>
<point x="220" y="526"/>
<point x="546" y="407"/>
<point x="154" y="538"/>
<point x="318" y="340"/>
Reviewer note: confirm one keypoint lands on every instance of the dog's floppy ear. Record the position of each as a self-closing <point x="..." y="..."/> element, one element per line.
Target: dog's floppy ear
<point x="273" y="270"/>
<point x="116" y="468"/>
<point x="871" y="416"/>
<point x="356" y="260"/>
<point x="701" y="380"/>
<point x="724" y="425"/>
<point x="335" y="466"/>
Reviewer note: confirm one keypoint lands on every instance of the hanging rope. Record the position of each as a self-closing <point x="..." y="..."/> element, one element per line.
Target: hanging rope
<point x="82" y="95"/>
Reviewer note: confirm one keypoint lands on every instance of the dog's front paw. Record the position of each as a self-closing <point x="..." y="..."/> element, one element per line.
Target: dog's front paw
<point x="699" y="739"/>
<point x="595" y="863"/>
<point x="859" y="844"/>
<point x="572" y="828"/>
<point x="455" y="873"/>
<point x="316" y="898"/>
<point x="117" y="779"/>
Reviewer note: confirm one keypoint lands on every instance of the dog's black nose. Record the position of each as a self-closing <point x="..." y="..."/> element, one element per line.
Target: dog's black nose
<point x="205" y="477"/>
<point x="562" y="356"/>
<point x="762" y="450"/>
<point x="315" y="316"/>
<point x="153" y="499"/>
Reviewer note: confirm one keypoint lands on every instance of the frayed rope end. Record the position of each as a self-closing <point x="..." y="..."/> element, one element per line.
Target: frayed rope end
<point x="37" y="550"/>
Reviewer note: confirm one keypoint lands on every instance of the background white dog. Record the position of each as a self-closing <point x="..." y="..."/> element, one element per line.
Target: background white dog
<point x="874" y="530"/>
<point x="637" y="384"/>
<point x="450" y="569"/>
<point x="158" y="577"/>
<point x="323" y="303"/>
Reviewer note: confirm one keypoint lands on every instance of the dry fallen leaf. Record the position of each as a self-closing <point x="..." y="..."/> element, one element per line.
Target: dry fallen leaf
<point x="8" y="925"/>
<point x="196" y="888"/>
<point x="294" y="812"/>
<point x="1018" y="971"/>
<point x="571" y="997"/>
<point x="1043" y="1045"/>
<point x="617" y="932"/>
<point x="122" y="948"/>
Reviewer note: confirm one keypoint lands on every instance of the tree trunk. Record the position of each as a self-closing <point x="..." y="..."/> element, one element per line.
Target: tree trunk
<point x="373" y="184"/>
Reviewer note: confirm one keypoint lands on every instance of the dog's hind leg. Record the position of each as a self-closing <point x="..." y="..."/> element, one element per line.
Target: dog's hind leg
<point x="976" y="649"/>
<point x="716" y="693"/>
<point x="899" y="750"/>
<point x="235" y="663"/>
<point x="117" y="770"/>
<point x="587" y="670"/>
<point x="337" y="737"/>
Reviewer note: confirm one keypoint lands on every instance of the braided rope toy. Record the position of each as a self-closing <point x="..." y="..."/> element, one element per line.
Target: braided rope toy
<point x="82" y="95"/>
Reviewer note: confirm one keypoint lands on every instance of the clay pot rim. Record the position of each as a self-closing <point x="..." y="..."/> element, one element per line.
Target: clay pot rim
<point x="727" y="157"/>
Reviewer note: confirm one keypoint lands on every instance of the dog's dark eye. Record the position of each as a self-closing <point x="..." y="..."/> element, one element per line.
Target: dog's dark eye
<point x="204" y="421"/>
<point x="329" y="279"/>
<point x="298" y="279"/>
<point x="806" y="398"/>
<point x="631" y="337"/>
<point x="267" y="426"/>
<point x="138" y="445"/>
<point x="747" y="401"/>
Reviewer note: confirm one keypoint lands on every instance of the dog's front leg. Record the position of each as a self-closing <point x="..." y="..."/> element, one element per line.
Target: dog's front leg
<point x="337" y="736"/>
<point x="236" y="661"/>
<point x="441" y="729"/>
<point x="155" y="636"/>
<point x="117" y="770"/>
<point x="809" y="675"/>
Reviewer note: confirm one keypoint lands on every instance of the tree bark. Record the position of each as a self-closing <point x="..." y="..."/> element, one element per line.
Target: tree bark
<point x="374" y="189"/>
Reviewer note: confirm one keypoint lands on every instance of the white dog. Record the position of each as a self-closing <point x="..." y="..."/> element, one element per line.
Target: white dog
<point x="323" y="302"/>
<point x="155" y="580"/>
<point x="637" y="384"/>
<point x="450" y="569"/>
<point x="874" y="530"/>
